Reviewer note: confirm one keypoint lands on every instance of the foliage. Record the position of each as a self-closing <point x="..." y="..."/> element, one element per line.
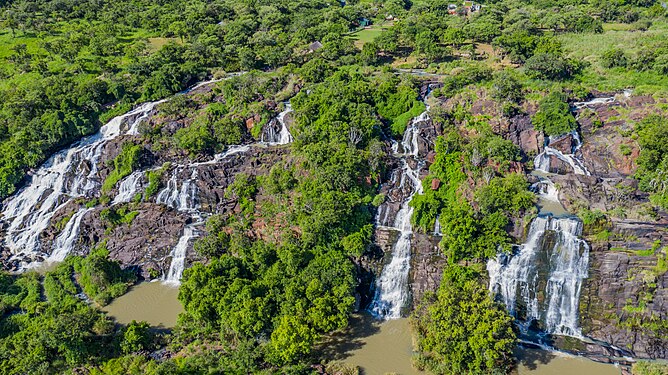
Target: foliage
<point x="460" y="329"/>
<point x="122" y="165"/>
<point x="554" y="116"/>
<point x="100" y="278"/>
<point x="652" y="170"/>
<point x="47" y="328"/>
<point x="649" y="368"/>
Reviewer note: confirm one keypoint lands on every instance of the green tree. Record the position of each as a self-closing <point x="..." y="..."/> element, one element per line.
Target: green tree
<point x="460" y="330"/>
<point x="554" y="116"/>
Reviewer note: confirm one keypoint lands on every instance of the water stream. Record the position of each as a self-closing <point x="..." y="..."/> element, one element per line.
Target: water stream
<point x="73" y="173"/>
<point x="68" y="174"/>
<point x="540" y="281"/>
<point x="392" y="294"/>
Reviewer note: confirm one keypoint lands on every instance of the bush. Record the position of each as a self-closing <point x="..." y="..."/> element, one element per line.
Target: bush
<point x="614" y="58"/>
<point x="123" y="165"/>
<point x="461" y="330"/>
<point x="100" y="278"/>
<point x="554" y="116"/>
<point x="550" y="66"/>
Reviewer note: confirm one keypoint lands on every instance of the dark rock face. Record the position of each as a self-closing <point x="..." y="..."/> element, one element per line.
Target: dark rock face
<point x="626" y="293"/>
<point x="427" y="264"/>
<point x="623" y="298"/>
<point x="564" y="144"/>
<point x="146" y="242"/>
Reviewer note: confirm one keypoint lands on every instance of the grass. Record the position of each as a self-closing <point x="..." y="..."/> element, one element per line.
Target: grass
<point x="368" y="34"/>
<point x="590" y="47"/>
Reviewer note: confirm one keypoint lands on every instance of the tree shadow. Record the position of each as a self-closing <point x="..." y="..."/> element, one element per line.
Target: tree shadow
<point x="531" y="358"/>
<point x="340" y="344"/>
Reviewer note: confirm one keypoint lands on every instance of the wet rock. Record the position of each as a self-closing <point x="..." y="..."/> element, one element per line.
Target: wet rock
<point x="522" y="134"/>
<point x="564" y="144"/>
<point x="145" y="242"/>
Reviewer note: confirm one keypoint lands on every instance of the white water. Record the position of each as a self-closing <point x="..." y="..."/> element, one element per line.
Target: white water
<point x="565" y="260"/>
<point x="181" y="198"/>
<point x="64" y="243"/>
<point x="129" y="187"/>
<point x="392" y="293"/>
<point x="283" y="136"/>
<point x="542" y="161"/>
<point x="437" y="226"/>
<point x="66" y="175"/>
<point x="178" y="255"/>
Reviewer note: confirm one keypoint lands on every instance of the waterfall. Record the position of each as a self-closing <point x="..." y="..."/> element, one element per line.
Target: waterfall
<point x="183" y="198"/>
<point x="281" y="137"/>
<point x="542" y="161"/>
<point x="129" y="188"/>
<point x="391" y="293"/>
<point x="66" y="175"/>
<point x="178" y="255"/>
<point x="554" y="257"/>
<point x="66" y="240"/>
<point x="437" y="226"/>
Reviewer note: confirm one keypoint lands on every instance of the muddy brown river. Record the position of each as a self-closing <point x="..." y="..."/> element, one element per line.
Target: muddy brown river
<point x="379" y="348"/>
<point x="154" y="303"/>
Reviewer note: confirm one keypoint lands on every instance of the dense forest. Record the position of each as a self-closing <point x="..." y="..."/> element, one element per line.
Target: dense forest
<point x="264" y="302"/>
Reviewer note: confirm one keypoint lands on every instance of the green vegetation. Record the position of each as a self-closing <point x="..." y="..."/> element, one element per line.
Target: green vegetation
<point x="649" y="368"/>
<point x="554" y="116"/>
<point x="461" y="330"/>
<point x="279" y="272"/>
<point x="47" y="328"/>
<point x="126" y="161"/>
<point x="100" y="278"/>
<point x="652" y="170"/>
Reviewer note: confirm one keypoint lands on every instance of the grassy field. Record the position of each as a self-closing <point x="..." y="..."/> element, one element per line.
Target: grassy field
<point x="368" y="34"/>
<point x="590" y="48"/>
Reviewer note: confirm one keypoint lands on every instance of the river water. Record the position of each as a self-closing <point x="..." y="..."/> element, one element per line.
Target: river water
<point x="155" y="303"/>
<point x="382" y="347"/>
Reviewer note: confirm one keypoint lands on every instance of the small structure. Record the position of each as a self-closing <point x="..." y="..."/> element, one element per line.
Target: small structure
<point x="452" y="9"/>
<point x="364" y="22"/>
<point x="314" y="46"/>
<point x="470" y="7"/>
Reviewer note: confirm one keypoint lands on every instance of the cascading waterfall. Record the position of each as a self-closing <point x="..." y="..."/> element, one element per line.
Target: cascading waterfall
<point x="129" y="187"/>
<point x="73" y="173"/>
<point x="178" y="255"/>
<point x="67" y="238"/>
<point x="554" y="244"/>
<point x="183" y="198"/>
<point x="66" y="175"/>
<point x="281" y="137"/>
<point x="542" y="161"/>
<point x="391" y="293"/>
<point x="541" y="280"/>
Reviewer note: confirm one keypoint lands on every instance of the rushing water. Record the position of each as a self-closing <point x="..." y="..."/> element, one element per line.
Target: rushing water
<point x="542" y="161"/>
<point x="129" y="187"/>
<point x="66" y="175"/>
<point x="281" y="136"/>
<point x="541" y="280"/>
<point x="392" y="294"/>
<point x="153" y="302"/>
<point x="554" y="256"/>
<point x="73" y="173"/>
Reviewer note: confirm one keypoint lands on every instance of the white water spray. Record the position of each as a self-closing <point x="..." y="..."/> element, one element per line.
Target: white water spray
<point x="392" y="294"/>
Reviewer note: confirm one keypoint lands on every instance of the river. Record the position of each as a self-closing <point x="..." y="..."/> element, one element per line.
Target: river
<point x="155" y="303"/>
<point x="382" y="347"/>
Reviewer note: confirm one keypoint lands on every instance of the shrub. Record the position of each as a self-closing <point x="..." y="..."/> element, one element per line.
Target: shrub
<point x="554" y="116"/>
